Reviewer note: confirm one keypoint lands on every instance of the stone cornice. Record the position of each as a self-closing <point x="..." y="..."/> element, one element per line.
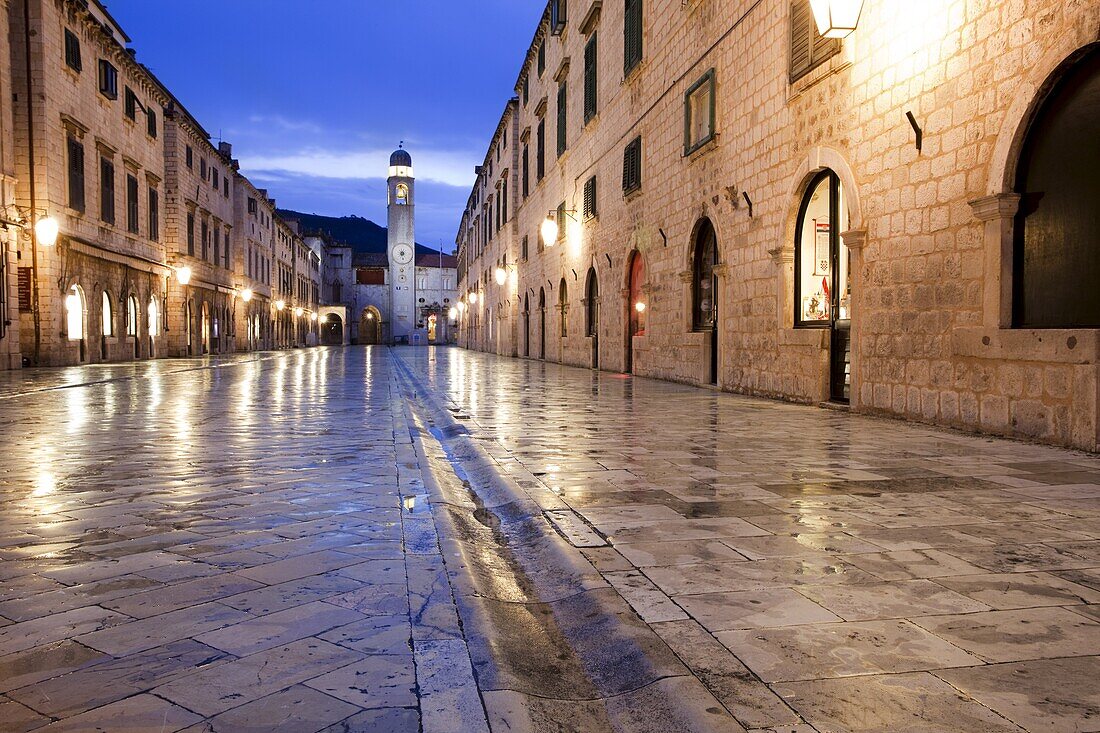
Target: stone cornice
<point x="855" y="239"/>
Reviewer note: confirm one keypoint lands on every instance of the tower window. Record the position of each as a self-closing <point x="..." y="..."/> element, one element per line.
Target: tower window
<point x="402" y="194"/>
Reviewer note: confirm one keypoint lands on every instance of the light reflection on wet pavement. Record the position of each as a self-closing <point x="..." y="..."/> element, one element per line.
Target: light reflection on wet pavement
<point x="274" y="542"/>
<point x="816" y="570"/>
<point x="217" y="545"/>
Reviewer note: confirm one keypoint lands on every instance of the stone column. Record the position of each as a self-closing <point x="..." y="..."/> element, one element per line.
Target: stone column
<point x="856" y="240"/>
<point x="998" y="212"/>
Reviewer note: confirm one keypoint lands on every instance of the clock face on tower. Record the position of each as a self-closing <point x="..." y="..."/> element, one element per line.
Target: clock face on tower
<point x="402" y="254"/>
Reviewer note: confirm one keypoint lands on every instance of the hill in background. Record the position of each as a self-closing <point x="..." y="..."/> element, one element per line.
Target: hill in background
<point x="362" y="234"/>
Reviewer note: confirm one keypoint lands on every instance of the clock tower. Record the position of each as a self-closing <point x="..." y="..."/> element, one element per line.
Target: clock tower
<point x="401" y="247"/>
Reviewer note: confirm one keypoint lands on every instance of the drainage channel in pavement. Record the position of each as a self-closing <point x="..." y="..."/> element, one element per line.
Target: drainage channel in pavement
<point x="552" y="645"/>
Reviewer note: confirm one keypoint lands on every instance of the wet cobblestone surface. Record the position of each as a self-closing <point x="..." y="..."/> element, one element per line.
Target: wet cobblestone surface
<point x="816" y="570"/>
<point x="229" y="545"/>
<point x="258" y="544"/>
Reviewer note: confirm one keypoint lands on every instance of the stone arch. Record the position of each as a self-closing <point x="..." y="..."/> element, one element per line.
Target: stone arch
<point x="817" y="160"/>
<point x="370" y="326"/>
<point x="1040" y="79"/>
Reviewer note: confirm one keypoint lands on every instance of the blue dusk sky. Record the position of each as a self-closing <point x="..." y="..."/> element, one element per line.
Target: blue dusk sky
<point x="315" y="95"/>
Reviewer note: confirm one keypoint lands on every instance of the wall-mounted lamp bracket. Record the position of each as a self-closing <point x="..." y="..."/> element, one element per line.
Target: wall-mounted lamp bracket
<point x="916" y="129"/>
<point x="748" y="201"/>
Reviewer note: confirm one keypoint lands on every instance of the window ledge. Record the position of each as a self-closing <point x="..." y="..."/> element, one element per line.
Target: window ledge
<point x="632" y="194"/>
<point x="702" y="148"/>
<point x="630" y="76"/>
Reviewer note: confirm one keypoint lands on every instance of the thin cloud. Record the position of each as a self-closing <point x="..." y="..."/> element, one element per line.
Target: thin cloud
<point x="452" y="169"/>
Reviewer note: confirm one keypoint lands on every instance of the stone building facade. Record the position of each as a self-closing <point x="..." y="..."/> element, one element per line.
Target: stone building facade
<point x="742" y="202"/>
<point x="10" y="351"/>
<point x="150" y="258"/>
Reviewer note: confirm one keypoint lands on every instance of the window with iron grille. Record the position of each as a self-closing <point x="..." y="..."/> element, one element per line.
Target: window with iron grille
<point x="590" y="210"/>
<point x="562" y="118"/>
<point x="557" y="16"/>
<point x="154" y="214"/>
<point x="632" y="166"/>
<point x="132" y="224"/>
<point x="590" y="77"/>
<point x="72" y="51"/>
<point x="632" y="35"/>
<point x="76" y="174"/>
<point x="808" y="48"/>
<point x="108" y="79"/>
<point x="106" y="191"/>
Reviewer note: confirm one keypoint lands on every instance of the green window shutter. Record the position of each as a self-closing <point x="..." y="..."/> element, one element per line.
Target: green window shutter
<point x="562" y="118"/>
<point x="590" y="210"/>
<point x="590" y="79"/>
<point x="632" y="41"/>
<point x="540" y="151"/>
<point x="632" y="166"/>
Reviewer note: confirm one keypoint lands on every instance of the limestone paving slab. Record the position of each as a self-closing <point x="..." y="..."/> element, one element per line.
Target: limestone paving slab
<point x="1057" y="695"/>
<point x="1007" y="636"/>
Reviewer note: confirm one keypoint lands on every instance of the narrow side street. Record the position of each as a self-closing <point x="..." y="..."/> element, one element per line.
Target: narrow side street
<point x="373" y="539"/>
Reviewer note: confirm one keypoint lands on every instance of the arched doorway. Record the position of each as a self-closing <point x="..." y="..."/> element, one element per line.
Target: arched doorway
<point x="76" y="321"/>
<point x="370" y="326"/>
<point x="332" y="331"/>
<point x="704" y="294"/>
<point x="526" y="325"/>
<point x="154" y="325"/>
<point x="542" y="323"/>
<point x="822" y="265"/>
<point x="132" y="324"/>
<point x="1057" y="229"/>
<point x="107" y="329"/>
<point x="636" y="306"/>
<point x="592" y="314"/>
<point x="204" y="330"/>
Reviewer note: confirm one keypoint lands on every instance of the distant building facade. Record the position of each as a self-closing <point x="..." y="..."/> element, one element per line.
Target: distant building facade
<point x="404" y="295"/>
<point x="897" y="220"/>
<point x="154" y="249"/>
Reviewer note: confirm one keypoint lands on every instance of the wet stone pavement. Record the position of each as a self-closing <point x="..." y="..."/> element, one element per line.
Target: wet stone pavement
<point x="430" y="539"/>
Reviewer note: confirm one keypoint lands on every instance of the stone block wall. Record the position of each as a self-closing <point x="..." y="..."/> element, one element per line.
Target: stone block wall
<point x="926" y="227"/>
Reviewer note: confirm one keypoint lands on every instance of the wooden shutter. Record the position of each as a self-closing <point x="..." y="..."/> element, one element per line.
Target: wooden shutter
<point x="76" y="174"/>
<point x="562" y="129"/>
<point x="107" y="191"/>
<point x="632" y="165"/>
<point x="526" y="172"/>
<point x="590" y="198"/>
<point x="590" y="79"/>
<point x="808" y="48"/>
<point x="632" y="41"/>
<point x="540" y="150"/>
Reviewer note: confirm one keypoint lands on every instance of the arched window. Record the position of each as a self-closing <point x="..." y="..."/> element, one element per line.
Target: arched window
<point x="402" y="194"/>
<point x="703" y="282"/>
<point x="131" y="316"/>
<point x="74" y="313"/>
<point x="592" y="304"/>
<point x="563" y="305"/>
<point x="1057" y="228"/>
<point x="108" y="320"/>
<point x="637" y="303"/>
<point x="822" y="288"/>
